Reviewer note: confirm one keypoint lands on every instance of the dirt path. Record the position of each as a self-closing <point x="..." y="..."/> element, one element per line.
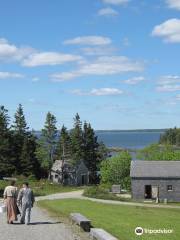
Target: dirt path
<point x="78" y="195"/>
<point x="42" y="227"/>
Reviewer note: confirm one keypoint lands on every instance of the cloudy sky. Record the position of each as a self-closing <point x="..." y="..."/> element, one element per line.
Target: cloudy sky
<point x="115" y="62"/>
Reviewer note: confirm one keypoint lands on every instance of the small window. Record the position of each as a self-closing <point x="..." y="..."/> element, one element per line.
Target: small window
<point x="169" y="188"/>
<point x="56" y="176"/>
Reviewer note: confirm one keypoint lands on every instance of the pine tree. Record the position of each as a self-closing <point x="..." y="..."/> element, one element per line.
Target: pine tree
<point x="24" y="146"/>
<point x="7" y="167"/>
<point x="64" y="144"/>
<point x="76" y="136"/>
<point x="19" y="131"/>
<point x="29" y="162"/>
<point x="49" y="136"/>
<point x="20" y="125"/>
<point x="90" y="151"/>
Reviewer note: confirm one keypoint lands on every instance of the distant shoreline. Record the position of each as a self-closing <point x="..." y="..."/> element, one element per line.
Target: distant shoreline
<point x="134" y="130"/>
<point x="130" y="130"/>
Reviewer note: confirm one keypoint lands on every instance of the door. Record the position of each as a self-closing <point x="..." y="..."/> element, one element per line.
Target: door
<point x="155" y="192"/>
<point x="148" y="192"/>
<point x="84" y="179"/>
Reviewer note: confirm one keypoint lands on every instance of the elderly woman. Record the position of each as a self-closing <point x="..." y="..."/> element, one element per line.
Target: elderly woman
<point x="10" y="196"/>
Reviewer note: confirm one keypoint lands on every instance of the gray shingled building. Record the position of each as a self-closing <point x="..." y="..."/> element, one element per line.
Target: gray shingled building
<point x="64" y="172"/>
<point x="155" y="179"/>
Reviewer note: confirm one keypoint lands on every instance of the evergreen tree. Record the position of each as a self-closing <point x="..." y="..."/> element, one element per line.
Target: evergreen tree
<point x="20" y="125"/>
<point x="29" y="162"/>
<point x="90" y="151"/>
<point x="42" y="155"/>
<point x="7" y="167"/>
<point x="24" y="146"/>
<point x="64" y="144"/>
<point x="49" y="136"/>
<point x="103" y="152"/>
<point x="76" y="136"/>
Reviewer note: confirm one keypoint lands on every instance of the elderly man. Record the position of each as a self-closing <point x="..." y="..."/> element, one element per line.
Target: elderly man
<point x="25" y="200"/>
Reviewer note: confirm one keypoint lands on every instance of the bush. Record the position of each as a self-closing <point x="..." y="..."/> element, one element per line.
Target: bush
<point x="102" y="192"/>
<point x="95" y="190"/>
<point x="159" y="153"/>
<point x="116" y="170"/>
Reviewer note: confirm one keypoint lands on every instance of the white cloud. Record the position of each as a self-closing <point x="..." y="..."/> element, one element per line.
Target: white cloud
<point x="107" y="12"/>
<point x="169" y="83"/>
<point x="168" y="88"/>
<point x="106" y="91"/>
<point x="169" y="30"/>
<point x="89" y="40"/>
<point x="99" y="50"/>
<point x="30" y="57"/>
<point x="134" y="80"/>
<point x="7" y="75"/>
<point x="175" y="4"/>
<point x="115" y="2"/>
<point x="98" y="92"/>
<point x="9" y="52"/>
<point x="49" y="58"/>
<point x="104" y="65"/>
<point x="169" y="79"/>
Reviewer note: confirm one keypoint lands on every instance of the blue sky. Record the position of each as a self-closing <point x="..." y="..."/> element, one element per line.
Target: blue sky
<point x="115" y="62"/>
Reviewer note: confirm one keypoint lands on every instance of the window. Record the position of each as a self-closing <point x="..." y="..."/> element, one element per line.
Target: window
<point x="169" y="188"/>
<point x="56" y="176"/>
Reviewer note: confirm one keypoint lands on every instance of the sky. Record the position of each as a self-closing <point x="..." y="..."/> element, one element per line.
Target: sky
<point x="115" y="62"/>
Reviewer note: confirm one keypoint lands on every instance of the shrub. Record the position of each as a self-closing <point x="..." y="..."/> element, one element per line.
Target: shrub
<point x="116" y="170"/>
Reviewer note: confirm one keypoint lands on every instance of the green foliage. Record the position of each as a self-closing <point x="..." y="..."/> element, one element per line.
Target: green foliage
<point x="116" y="170"/>
<point x="20" y="125"/>
<point x="64" y="144"/>
<point x="76" y="136"/>
<point x="171" y="137"/>
<point x="17" y="146"/>
<point x="22" y="154"/>
<point x="42" y="155"/>
<point x="102" y="192"/>
<point x="161" y="153"/>
<point x="7" y="161"/>
<point x="48" y="142"/>
<point x="90" y="148"/>
<point x="39" y="187"/>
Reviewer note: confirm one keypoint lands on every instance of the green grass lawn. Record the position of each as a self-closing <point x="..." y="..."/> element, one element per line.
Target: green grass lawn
<point x="120" y="220"/>
<point x="40" y="188"/>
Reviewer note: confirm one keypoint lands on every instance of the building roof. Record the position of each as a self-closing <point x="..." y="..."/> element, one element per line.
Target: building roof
<point x="155" y="169"/>
<point x="58" y="164"/>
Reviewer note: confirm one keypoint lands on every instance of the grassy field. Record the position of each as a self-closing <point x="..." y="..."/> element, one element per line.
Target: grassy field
<point x="120" y="220"/>
<point x="40" y="188"/>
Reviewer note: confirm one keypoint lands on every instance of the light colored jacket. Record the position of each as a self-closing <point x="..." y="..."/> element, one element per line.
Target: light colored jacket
<point x="26" y="197"/>
<point x="10" y="191"/>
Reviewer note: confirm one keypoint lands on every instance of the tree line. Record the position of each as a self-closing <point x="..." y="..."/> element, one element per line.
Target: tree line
<point x="171" y="137"/>
<point x="23" y="153"/>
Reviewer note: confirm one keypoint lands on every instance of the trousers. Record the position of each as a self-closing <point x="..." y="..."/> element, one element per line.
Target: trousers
<point x="26" y="213"/>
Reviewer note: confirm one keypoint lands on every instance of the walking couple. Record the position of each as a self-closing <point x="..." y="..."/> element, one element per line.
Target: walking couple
<point x="13" y="200"/>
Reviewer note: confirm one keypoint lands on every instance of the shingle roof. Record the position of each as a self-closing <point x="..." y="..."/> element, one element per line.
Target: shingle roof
<point x="156" y="169"/>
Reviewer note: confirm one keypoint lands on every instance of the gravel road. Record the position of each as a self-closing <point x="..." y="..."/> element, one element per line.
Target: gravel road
<point x="42" y="227"/>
